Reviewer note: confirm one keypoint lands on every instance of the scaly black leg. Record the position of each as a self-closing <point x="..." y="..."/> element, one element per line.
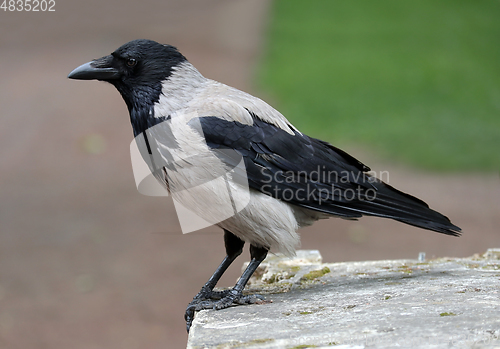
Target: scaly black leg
<point x="234" y="247"/>
<point x="224" y="299"/>
<point x="235" y="295"/>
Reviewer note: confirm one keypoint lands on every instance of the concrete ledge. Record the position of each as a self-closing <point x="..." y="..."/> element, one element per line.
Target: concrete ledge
<point x="441" y="303"/>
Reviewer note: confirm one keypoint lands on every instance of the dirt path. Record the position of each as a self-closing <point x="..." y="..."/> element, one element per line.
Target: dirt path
<point x="87" y="262"/>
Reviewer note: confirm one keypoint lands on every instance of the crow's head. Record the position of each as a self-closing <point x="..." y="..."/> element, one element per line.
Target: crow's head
<point x="137" y="69"/>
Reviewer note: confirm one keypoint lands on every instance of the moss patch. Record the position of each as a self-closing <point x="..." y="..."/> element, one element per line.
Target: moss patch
<point x="305" y="312"/>
<point x="315" y="274"/>
<point x="405" y="269"/>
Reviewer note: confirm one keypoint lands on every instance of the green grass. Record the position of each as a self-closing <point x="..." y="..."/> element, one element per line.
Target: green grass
<point x="414" y="81"/>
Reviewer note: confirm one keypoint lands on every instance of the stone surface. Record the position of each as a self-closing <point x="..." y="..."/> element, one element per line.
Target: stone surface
<point x="441" y="303"/>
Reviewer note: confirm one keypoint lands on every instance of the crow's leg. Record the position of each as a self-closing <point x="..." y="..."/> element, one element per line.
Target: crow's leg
<point x="234" y="247"/>
<point x="225" y="299"/>
<point x="235" y="295"/>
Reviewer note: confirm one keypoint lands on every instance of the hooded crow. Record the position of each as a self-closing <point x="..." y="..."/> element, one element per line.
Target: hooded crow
<point x="202" y="129"/>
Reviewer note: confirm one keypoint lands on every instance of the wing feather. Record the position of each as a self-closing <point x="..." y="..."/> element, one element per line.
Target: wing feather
<point x="313" y="174"/>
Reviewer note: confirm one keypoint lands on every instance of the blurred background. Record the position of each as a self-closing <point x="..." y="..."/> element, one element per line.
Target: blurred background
<point x="412" y="89"/>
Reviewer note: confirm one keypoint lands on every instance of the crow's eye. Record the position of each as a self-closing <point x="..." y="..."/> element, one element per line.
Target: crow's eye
<point x="131" y="62"/>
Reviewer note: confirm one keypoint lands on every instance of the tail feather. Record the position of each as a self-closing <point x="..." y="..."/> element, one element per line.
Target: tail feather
<point x="391" y="203"/>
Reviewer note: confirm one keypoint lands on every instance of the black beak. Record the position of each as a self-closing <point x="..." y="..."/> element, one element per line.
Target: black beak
<point x="99" y="69"/>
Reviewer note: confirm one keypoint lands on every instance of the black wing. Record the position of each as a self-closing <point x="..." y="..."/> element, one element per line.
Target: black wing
<point x="311" y="173"/>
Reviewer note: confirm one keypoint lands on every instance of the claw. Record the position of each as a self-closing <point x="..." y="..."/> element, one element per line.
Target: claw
<point x="250" y="299"/>
<point x="218" y="300"/>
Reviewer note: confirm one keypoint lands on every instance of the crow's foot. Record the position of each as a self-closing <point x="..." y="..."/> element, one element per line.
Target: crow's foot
<point x="218" y="300"/>
<point x="206" y="294"/>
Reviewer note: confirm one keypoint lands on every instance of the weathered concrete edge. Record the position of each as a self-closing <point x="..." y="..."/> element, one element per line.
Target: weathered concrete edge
<point x="249" y="327"/>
